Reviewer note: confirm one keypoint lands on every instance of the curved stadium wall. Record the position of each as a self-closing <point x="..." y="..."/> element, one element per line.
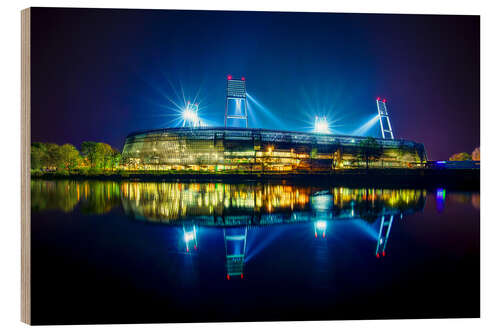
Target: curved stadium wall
<point x="214" y="149"/>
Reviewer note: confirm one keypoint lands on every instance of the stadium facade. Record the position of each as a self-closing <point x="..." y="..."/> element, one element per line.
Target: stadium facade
<point x="219" y="149"/>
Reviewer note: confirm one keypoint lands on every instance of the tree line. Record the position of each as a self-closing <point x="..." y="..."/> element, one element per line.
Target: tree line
<point x="474" y="156"/>
<point x="66" y="157"/>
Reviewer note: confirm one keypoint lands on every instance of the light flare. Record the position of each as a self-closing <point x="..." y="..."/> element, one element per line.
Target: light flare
<point x="321" y="125"/>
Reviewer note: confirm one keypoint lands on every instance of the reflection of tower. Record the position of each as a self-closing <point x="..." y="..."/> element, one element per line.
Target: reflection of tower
<point x="383" y="116"/>
<point x="235" y="241"/>
<point x="320" y="228"/>
<point x="321" y="206"/>
<point x="236" y="91"/>
<point x="383" y="235"/>
<point x="190" y="237"/>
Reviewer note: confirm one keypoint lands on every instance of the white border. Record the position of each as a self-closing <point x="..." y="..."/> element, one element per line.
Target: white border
<point x="490" y="230"/>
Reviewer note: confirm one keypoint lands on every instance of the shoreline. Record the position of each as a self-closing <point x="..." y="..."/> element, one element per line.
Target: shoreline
<point x="429" y="178"/>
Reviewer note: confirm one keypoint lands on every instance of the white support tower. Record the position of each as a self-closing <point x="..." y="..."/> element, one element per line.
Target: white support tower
<point x="190" y="237"/>
<point x="383" y="235"/>
<point x="235" y="242"/>
<point x="236" y="90"/>
<point x="383" y="116"/>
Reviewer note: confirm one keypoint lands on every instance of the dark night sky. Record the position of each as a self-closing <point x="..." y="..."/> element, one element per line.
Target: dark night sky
<point x="100" y="74"/>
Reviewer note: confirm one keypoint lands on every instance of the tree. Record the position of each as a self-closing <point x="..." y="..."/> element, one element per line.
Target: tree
<point x="103" y="155"/>
<point x="460" y="157"/>
<point x="421" y="154"/>
<point x="39" y="156"/>
<point x="70" y="157"/>
<point x="53" y="155"/>
<point x="88" y="150"/>
<point x="116" y="159"/>
<point x="45" y="156"/>
<point x="476" y="155"/>
<point x="369" y="149"/>
<point x="100" y="155"/>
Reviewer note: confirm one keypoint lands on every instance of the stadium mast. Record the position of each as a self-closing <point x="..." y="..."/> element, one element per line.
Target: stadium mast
<point x="236" y="90"/>
<point x="383" y="116"/>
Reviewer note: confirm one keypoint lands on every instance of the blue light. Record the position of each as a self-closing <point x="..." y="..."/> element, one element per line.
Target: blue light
<point x="440" y="199"/>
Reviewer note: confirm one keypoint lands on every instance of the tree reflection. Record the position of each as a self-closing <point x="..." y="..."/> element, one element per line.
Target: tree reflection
<point x="93" y="197"/>
<point x="61" y="195"/>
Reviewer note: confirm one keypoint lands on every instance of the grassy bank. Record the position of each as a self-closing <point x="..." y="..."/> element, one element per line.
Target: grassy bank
<point x="457" y="178"/>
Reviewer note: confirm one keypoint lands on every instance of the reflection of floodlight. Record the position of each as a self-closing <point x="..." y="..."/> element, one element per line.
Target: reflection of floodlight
<point x="321" y="125"/>
<point x="188" y="237"/>
<point x="321" y="225"/>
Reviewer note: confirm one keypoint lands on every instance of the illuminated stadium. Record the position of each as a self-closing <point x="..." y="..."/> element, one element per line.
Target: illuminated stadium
<point x="196" y="147"/>
<point x="257" y="150"/>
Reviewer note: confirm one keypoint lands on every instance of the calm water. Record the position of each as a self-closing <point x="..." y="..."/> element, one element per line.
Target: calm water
<point x="108" y="252"/>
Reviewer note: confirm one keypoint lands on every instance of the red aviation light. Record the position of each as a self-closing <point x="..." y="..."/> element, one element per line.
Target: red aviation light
<point x="384" y="100"/>
<point x="378" y="98"/>
<point x="229" y="77"/>
<point x="378" y="255"/>
<point x="242" y="276"/>
<point x="195" y="247"/>
<point x="383" y="254"/>
<point x="315" y="235"/>
<point x="228" y="277"/>
<point x="242" y="78"/>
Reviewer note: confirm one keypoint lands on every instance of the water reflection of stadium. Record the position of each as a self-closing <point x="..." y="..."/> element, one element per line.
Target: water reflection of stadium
<point x="255" y="204"/>
<point x="237" y="207"/>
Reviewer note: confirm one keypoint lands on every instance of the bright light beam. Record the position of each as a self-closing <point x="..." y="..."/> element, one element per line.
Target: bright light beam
<point x="363" y="129"/>
<point x="367" y="229"/>
<point x="265" y="110"/>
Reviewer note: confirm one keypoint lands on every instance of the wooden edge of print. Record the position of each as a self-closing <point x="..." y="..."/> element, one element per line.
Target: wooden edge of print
<point x="25" y="167"/>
